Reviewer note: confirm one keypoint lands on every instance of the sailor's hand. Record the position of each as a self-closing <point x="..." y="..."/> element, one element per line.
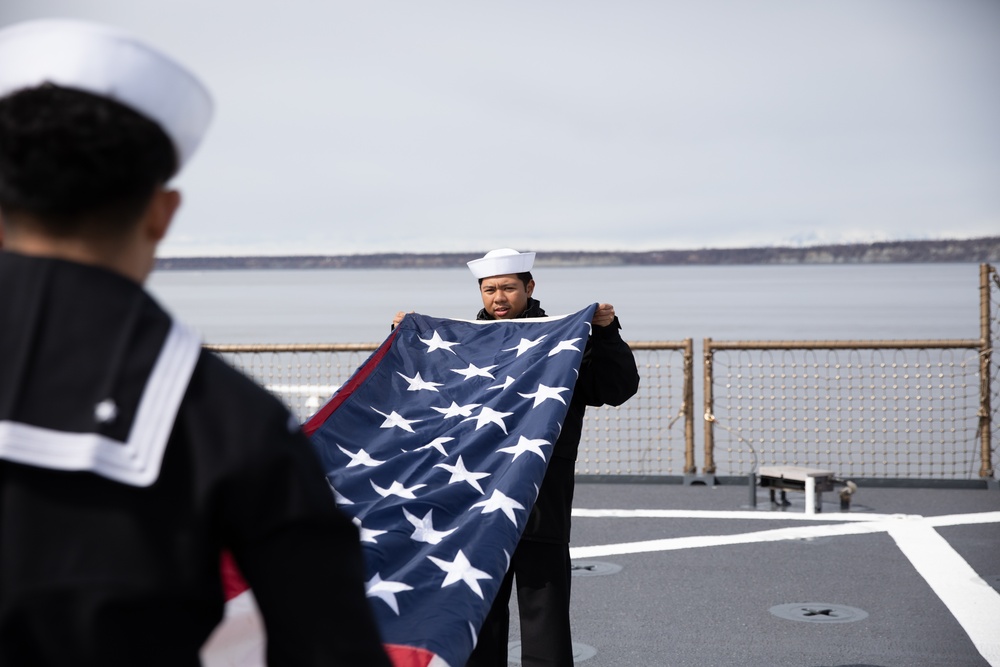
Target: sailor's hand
<point x="399" y="318"/>
<point x="604" y="315"/>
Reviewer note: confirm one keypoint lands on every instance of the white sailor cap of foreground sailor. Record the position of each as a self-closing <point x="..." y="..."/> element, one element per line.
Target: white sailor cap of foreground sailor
<point x="501" y="262"/>
<point x="104" y="61"/>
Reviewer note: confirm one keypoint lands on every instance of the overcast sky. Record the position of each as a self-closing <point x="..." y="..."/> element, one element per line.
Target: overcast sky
<point x="464" y="125"/>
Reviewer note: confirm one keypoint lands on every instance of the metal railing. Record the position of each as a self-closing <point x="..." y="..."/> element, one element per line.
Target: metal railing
<point x="915" y="409"/>
<point x="638" y="438"/>
<point x="652" y="434"/>
<point x="897" y="409"/>
<point x="303" y="376"/>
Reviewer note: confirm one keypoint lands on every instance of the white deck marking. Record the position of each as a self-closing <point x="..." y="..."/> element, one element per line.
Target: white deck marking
<point x="974" y="604"/>
<point x="971" y="600"/>
<point x="713" y="514"/>
<point x="774" y="535"/>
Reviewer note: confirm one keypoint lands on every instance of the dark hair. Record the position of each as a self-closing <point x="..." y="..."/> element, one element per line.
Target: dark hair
<point x="78" y="162"/>
<point x="525" y="278"/>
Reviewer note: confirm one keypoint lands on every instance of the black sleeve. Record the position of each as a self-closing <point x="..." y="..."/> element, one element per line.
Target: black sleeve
<point x="300" y="555"/>
<point x="302" y="559"/>
<point x="608" y="374"/>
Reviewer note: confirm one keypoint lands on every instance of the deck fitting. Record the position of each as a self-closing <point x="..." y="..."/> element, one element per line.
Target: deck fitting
<point x="581" y="652"/>
<point x="593" y="568"/>
<point x="818" y="612"/>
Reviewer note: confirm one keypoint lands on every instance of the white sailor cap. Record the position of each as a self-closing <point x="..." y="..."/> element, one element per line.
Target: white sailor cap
<point x="104" y="61"/>
<point x="500" y="262"/>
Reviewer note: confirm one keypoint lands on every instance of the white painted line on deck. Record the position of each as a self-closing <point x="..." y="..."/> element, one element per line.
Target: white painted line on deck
<point x="716" y="514"/>
<point x="963" y="519"/>
<point x="698" y="541"/>
<point x="974" y="604"/>
<point x="971" y="600"/>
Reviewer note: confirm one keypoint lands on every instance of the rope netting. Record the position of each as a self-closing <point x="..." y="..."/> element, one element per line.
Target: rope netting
<point x="993" y="287"/>
<point x="898" y="413"/>
<point x="646" y="435"/>
<point x="303" y="377"/>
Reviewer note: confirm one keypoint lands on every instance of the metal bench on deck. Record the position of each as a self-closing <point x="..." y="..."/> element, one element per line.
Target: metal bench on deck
<point x="812" y="481"/>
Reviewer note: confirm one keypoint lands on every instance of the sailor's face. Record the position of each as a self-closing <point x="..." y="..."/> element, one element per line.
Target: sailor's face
<point x="505" y="297"/>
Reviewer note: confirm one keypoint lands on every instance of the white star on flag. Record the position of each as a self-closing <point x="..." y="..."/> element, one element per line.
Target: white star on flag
<point x="543" y="392"/>
<point x="385" y="591"/>
<point x="564" y="346"/>
<point x="362" y="458"/>
<point x="367" y="534"/>
<point x="417" y="383"/>
<point x="424" y="528"/>
<point x="498" y="501"/>
<point x="338" y="497"/>
<point x="474" y="371"/>
<point x="436" y="443"/>
<point x="435" y="342"/>
<point x="461" y="569"/>
<point x="526" y="445"/>
<point x="525" y="345"/>
<point x="395" y="419"/>
<point x="460" y="474"/>
<point x="506" y="383"/>
<point x="490" y="416"/>
<point x="456" y="410"/>
<point x="397" y="489"/>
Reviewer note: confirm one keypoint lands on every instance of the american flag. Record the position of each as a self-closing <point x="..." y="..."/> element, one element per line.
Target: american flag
<point x="436" y="447"/>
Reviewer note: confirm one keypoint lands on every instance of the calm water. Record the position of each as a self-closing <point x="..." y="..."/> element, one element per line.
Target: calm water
<point x="886" y="301"/>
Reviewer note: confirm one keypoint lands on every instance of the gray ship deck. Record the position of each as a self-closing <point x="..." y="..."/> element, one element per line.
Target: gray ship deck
<point x="907" y="578"/>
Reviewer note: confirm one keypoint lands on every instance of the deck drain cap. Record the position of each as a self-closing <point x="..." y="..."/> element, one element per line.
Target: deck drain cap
<point x="581" y="652"/>
<point x="593" y="568"/>
<point x="818" y="612"/>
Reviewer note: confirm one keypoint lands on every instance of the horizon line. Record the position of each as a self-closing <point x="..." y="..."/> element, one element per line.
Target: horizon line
<point x="815" y="246"/>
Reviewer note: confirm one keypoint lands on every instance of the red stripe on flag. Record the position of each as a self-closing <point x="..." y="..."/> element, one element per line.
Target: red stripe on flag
<point x="408" y="656"/>
<point x="233" y="582"/>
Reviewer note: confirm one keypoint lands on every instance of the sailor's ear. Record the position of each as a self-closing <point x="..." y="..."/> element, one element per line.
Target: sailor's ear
<point x="162" y="208"/>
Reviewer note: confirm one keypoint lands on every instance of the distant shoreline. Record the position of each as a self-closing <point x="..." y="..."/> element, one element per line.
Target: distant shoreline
<point x="985" y="249"/>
